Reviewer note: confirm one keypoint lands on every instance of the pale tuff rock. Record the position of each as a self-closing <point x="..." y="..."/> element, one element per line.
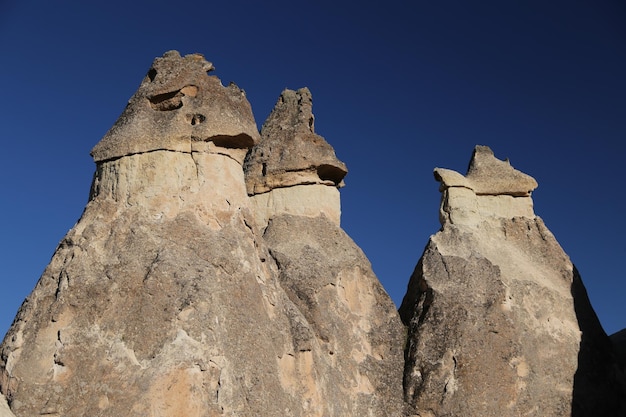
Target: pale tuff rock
<point x="301" y="200"/>
<point x="179" y="107"/>
<point x="494" y="308"/>
<point x="200" y="283"/>
<point x="5" y="411"/>
<point x="329" y="279"/>
<point x="164" y="299"/>
<point x="152" y="302"/>
<point x="491" y="188"/>
<point x="489" y="175"/>
<point x="290" y="155"/>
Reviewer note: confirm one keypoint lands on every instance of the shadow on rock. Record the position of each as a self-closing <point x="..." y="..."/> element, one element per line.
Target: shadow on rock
<point x="599" y="388"/>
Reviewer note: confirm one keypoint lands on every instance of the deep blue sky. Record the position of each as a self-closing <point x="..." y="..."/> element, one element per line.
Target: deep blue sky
<point x="399" y="87"/>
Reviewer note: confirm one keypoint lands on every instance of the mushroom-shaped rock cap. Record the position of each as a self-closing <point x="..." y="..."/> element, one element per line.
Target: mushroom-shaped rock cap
<point x="487" y="175"/>
<point x="177" y="103"/>
<point x="290" y="152"/>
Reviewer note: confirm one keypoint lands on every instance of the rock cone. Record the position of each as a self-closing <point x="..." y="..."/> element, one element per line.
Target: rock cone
<point x="166" y="300"/>
<point x="496" y="309"/>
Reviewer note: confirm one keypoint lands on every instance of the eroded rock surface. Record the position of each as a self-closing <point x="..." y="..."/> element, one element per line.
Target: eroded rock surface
<point x="180" y="107"/>
<point x="355" y="324"/>
<point x="165" y="300"/>
<point x="491" y="189"/>
<point x="290" y="156"/>
<point x="496" y="310"/>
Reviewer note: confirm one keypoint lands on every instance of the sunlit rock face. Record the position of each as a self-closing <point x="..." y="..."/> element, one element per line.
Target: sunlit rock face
<point x="5" y="411"/>
<point x="180" y="107"/>
<point x="496" y="309"/>
<point x="491" y="189"/>
<point x="166" y="300"/>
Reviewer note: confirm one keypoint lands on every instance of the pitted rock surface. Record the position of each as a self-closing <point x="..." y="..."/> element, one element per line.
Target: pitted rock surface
<point x="180" y="107"/>
<point x="292" y="170"/>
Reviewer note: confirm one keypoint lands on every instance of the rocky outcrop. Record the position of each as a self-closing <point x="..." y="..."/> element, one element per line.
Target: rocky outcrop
<point x="179" y="107"/>
<point x="165" y="299"/>
<point x="292" y="178"/>
<point x="289" y="157"/>
<point x="499" y="323"/>
<point x="209" y="276"/>
<point x="491" y="188"/>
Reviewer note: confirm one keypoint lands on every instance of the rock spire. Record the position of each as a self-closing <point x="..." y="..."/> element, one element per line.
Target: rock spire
<point x="293" y="169"/>
<point x="209" y="276"/>
<point x="496" y="310"/>
<point x="166" y="299"/>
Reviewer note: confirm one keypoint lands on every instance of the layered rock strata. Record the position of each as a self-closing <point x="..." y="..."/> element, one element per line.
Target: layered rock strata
<point x="165" y="300"/>
<point x="496" y="309"/>
<point x="293" y="170"/>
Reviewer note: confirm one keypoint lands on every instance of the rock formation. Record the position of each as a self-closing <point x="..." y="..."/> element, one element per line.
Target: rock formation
<point x="165" y="299"/>
<point x="209" y="276"/>
<point x="496" y="309"/>
<point x="293" y="170"/>
<point x="292" y="177"/>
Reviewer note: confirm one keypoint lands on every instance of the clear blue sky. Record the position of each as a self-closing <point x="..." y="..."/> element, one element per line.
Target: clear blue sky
<point x="399" y="87"/>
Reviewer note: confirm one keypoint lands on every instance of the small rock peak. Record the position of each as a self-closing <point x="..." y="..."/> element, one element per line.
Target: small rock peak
<point x="293" y="111"/>
<point x="171" y="69"/>
<point x="290" y="152"/>
<point x="495" y="177"/>
<point x="180" y="107"/>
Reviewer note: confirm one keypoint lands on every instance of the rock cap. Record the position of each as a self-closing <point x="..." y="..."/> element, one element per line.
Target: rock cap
<point x="488" y="175"/>
<point x="290" y="152"/>
<point x="177" y="104"/>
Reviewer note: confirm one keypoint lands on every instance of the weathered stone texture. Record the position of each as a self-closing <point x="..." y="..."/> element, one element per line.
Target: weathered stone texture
<point x="491" y="189"/>
<point x="493" y="315"/>
<point x="208" y="276"/>
<point x="165" y="300"/>
<point x="354" y="322"/>
<point x="179" y="107"/>
<point x="290" y="152"/>
<point x="302" y="200"/>
<point x="293" y="170"/>
<point x="158" y="302"/>
<point x="5" y="411"/>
